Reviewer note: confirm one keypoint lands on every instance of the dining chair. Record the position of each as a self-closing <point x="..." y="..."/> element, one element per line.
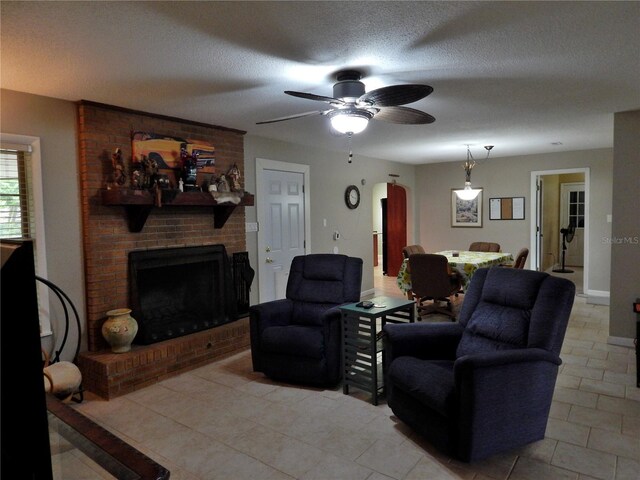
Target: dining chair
<point x="432" y="283"/>
<point x="484" y="247"/>
<point x="521" y="258"/>
<point x="407" y="251"/>
<point x="411" y="249"/>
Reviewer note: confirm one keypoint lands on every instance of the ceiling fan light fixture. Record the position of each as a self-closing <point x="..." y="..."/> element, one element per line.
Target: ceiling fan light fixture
<point x="351" y="106"/>
<point x="350" y="121"/>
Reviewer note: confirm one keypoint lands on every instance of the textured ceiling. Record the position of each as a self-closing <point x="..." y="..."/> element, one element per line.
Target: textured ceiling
<point x="518" y="75"/>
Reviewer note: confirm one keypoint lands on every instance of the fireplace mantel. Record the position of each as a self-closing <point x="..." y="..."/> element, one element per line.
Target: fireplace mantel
<point x="139" y="203"/>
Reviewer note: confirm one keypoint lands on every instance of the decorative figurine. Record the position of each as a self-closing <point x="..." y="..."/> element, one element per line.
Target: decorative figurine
<point x="150" y="167"/>
<point x="162" y="180"/>
<point x="223" y="184"/>
<point x="189" y="170"/>
<point x="184" y="155"/>
<point x="234" y="178"/>
<point x="119" y="174"/>
<point x="137" y="176"/>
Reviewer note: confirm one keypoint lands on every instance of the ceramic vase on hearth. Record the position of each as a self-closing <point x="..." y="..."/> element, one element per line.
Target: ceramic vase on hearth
<point x="119" y="329"/>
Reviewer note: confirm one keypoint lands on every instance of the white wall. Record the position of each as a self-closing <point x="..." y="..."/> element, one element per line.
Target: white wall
<point x="54" y="122"/>
<point x="330" y="175"/>
<point x="511" y="177"/>
<point x="625" y="236"/>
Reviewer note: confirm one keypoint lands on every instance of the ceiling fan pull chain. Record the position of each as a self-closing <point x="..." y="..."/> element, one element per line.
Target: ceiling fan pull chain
<point x="350" y="150"/>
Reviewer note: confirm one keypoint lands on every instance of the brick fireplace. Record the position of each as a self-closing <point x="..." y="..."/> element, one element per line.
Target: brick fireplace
<point x="108" y="239"/>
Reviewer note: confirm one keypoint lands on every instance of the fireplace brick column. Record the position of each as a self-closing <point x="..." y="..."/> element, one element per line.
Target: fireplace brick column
<point x="106" y="237"/>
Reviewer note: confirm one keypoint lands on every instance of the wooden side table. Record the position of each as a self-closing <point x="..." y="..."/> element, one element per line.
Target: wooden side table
<point x="362" y="341"/>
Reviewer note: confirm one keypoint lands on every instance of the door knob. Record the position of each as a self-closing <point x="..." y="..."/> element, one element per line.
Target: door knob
<point x="269" y="260"/>
<point x="268" y="249"/>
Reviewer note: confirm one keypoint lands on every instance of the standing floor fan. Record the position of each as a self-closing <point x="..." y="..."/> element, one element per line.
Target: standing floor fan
<point x="567" y="236"/>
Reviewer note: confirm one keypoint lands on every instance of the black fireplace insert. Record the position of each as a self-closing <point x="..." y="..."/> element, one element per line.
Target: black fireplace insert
<point x="177" y="291"/>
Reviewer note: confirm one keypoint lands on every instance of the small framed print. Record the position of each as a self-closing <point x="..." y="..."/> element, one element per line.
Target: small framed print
<point x="466" y="213"/>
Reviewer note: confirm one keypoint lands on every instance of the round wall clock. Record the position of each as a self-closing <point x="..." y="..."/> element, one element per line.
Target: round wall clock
<point x="352" y="196"/>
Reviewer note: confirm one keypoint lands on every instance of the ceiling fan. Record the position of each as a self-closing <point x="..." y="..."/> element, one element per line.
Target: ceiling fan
<point x="352" y="107"/>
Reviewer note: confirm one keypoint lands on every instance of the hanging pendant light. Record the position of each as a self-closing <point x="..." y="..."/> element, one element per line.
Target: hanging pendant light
<point x="468" y="192"/>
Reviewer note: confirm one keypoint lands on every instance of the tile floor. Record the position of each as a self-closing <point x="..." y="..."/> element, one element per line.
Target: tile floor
<point x="223" y="421"/>
<point x="576" y="276"/>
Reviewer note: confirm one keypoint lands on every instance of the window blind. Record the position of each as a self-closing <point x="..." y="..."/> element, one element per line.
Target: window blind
<point x="16" y="199"/>
<point x="21" y="206"/>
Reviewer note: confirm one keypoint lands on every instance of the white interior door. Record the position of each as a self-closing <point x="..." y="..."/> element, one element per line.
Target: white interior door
<point x="282" y="229"/>
<point x="539" y="231"/>
<point x="572" y="198"/>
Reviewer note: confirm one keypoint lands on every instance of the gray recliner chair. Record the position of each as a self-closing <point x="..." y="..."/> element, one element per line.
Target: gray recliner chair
<point x="298" y="339"/>
<point x="483" y="385"/>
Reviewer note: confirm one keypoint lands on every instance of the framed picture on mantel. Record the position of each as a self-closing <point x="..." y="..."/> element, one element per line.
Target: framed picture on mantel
<point x="466" y="213"/>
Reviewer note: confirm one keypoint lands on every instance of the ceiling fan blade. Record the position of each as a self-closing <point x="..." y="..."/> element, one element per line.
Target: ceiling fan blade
<point x="297" y="115"/>
<point x="403" y="115"/>
<point x="396" y="95"/>
<point x="312" y="96"/>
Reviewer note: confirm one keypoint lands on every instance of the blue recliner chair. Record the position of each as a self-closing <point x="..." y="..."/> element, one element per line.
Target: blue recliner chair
<point x="297" y="339"/>
<point x="484" y="385"/>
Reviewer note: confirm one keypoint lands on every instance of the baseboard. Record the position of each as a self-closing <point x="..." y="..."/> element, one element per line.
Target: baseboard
<point x="620" y="341"/>
<point x="366" y="293"/>
<point x="598" y="297"/>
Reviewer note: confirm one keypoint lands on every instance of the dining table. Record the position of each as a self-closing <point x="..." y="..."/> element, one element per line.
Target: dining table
<point x="463" y="261"/>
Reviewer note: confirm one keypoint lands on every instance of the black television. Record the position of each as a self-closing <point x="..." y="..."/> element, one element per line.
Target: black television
<point x="24" y="432"/>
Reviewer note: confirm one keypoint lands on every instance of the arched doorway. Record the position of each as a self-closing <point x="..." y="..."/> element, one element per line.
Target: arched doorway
<point x="390" y="223"/>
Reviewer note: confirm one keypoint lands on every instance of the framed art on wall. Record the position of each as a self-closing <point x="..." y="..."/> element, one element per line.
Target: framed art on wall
<point x="466" y="213"/>
<point x="166" y="150"/>
<point x="506" y="208"/>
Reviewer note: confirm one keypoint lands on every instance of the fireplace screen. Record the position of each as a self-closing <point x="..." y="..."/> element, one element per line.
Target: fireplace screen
<point x="177" y="291"/>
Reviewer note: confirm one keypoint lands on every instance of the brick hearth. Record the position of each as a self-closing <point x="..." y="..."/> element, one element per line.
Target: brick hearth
<point x="107" y="242"/>
<point x="112" y="374"/>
